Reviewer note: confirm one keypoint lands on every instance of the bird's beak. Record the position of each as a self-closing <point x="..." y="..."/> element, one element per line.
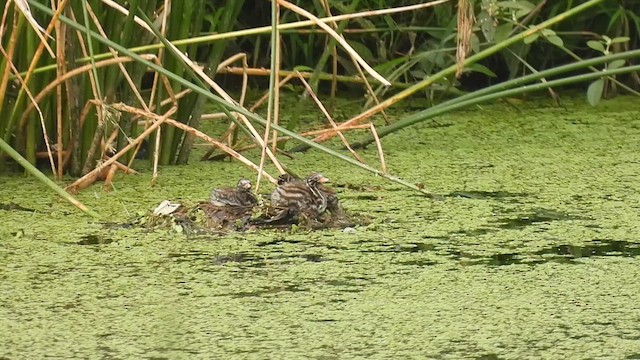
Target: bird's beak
<point x="323" y="180"/>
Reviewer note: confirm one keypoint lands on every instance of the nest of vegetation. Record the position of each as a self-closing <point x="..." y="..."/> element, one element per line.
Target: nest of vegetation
<point x="207" y="218"/>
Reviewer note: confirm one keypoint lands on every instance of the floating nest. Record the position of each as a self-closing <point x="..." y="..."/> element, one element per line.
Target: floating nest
<point x="207" y="218"/>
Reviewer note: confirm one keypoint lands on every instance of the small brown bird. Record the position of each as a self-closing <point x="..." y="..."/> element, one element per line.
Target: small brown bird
<point x="301" y="196"/>
<point x="241" y="196"/>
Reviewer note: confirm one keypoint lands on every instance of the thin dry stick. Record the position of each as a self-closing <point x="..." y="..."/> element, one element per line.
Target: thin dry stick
<point x="383" y="165"/>
<point x="288" y="26"/>
<point x="4" y="83"/>
<point x="122" y="167"/>
<point x="124" y="71"/>
<point x="94" y="87"/>
<point x="220" y="145"/>
<point x="159" y="121"/>
<point x="86" y="68"/>
<point x="61" y="68"/>
<point x="121" y="107"/>
<point x="156" y="157"/>
<point x="245" y="76"/>
<point x="229" y="99"/>
<point x="266" y="94"/>
<point x="309" y="133"/>
<point x="466" y="20"/>
<point x="23" y="6"/>
<point x="33" y="102"/>
<point x="333" y="124"/>
<point x="337" y="37"/>
<point x="274" y="98"/>
<point x="172" y="99"/>
<point x="108" y="180"/>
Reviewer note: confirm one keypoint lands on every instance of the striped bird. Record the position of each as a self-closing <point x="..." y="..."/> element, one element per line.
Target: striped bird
<point x="300" y="196"/>
<point x="241" y="196"/>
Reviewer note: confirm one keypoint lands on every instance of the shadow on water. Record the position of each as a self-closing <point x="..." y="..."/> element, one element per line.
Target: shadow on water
<point x="560" y="253"/>
<point x="497" y="195"/>
<point x="253" y="261"/>
<point x="94" y="240"/>
<point x="539" y="216"/>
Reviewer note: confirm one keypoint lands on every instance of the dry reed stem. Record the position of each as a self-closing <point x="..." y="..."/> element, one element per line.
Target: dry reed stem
<point x="173" y="99"/>
<point x="333" y="123"/>
<point x="228" y="98"/>
<point x="287" y="73"/>
<point x="264" y="97"/>
<point x="77" y="71"/>
<point x="123" y="70"/>
<point x="274" y="94"/>
<point x="383" y="164"/>
<point x="466" y="20"/>
<point x="245" y="77"/>
<point x="288" y="26"/>
<point x="156" y="157"/>
<point x="61" y="69"/>
<point x="122" y="107"/>
<point x="23" y="6"/>
<point x="33" y="102"/>
<point x="125" y="11"/>
<point x="108" y="180"/>
<point x="122" y="167"/>
<point x="308" y="133"/>
<point x="220" y="145"/>
<point x="337" y="37"/>
<point x="4" y="84"/>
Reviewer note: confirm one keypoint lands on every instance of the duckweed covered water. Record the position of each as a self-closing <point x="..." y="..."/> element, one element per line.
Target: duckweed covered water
<point x="531" y="253"/>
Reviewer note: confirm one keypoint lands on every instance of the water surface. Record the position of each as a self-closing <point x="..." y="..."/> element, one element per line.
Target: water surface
<point x="531" y="253"/>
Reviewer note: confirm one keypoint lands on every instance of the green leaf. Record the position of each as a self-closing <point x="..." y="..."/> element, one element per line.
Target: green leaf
<point x="616" y="64"/>
<point x="520" y="7"/>
<point x="606" y="39"/>
<point x="475" y="43"/>
<point x="556" y="40"/>
<point x="531" y="38"/>
<point x="486" y="25"/>
<point x="481" y="69"/>
<point x="361" y="49"/>
<point x="596" y="45"/>
<point x="594" y="92"/>
<point x="620" y="39"/>
<point x="303" y="68"/>
<point x="502" y="32"/>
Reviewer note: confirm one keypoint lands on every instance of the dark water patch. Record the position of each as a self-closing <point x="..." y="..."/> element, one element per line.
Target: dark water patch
<point x="14" y="207"/>
<point x="498" y="195"/>
<point x="488" y="356"/>
<point x="595" y="248"/>
<point x="312" y="257"/>
<point x="279" y="242"/>
<point x="268" y="291"/>
<point x="499" y="259"/>
<point x="262" y="261"/>
<point x="94" y="239"/>
<point x="415" y="247"/>
<point x="418" y="263"/>
<point x="539" y="216"/>
<point x="561" y="254"/>
<point x="472" y="232"/>
<point x="410" y="248"/>
<point x="188" y="256"/>
<point x="232" y="258"/>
